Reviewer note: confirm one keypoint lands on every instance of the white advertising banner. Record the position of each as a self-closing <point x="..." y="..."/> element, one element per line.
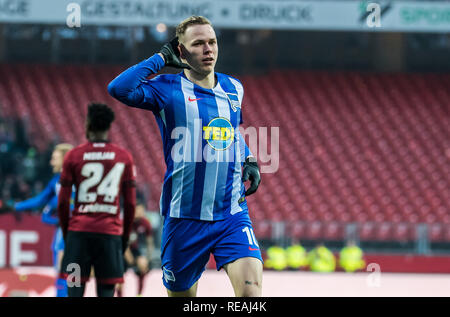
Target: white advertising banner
<point x="406" y="16"/>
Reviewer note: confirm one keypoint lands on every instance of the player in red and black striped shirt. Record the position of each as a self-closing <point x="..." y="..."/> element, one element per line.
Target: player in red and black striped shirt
<point x="95" y="234"/>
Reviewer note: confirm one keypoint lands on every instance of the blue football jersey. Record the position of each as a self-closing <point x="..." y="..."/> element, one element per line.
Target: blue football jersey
<point x="203" y="148"/>
<point x="48" y="199"/>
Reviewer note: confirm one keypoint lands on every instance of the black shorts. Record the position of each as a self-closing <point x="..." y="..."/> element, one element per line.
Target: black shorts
<point x="98" y="250"/>
<point x="136" y="252"/>
<point x="141" y="250"/>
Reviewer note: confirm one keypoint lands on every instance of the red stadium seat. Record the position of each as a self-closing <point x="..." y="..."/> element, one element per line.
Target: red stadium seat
<point x="333" y="231"/>
<point x="436" y="232"/>
<point x="297" y="230"/>
<point x="262" y="229"/>
<point x="403" y="232"/>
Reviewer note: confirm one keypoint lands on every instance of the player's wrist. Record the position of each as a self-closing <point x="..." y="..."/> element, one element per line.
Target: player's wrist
<point x="162" y="56"/>
<point x="251" y="160"/>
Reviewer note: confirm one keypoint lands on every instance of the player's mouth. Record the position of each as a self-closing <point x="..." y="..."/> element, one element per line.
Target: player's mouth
<point x="208" y="60"/>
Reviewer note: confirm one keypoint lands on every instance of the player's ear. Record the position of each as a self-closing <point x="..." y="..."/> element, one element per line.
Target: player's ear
<point x="182" y="50"/>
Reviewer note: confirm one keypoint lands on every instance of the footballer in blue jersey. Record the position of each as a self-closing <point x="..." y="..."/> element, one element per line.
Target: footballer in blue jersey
<point x="48" y="199"/>
<point x="198" y="112"/>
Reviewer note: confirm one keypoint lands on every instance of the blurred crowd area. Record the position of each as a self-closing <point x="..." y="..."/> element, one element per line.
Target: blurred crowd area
<point x="24" y="171"/>
<point x="259" y="50"/>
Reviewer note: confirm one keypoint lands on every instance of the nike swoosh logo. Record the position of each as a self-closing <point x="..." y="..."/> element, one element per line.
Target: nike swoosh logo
<point x="195" y="99"/>
<point x="251" y="249"/>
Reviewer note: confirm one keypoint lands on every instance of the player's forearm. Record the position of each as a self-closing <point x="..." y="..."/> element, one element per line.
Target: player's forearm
<point x="63" y="214"/>
<point x="128" y="256"/>
<point x="32" y="203"/>
<point x="126" y="87"/>
<point x="64" y="208"/>
<point x="129" y="206"/>
<point x="128" y="219"/>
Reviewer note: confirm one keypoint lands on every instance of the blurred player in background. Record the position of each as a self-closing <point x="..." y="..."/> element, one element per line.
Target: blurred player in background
<point x="48" y="199"/>
<point x="95" y="235"/>
<point x="203" y="198"/>
<point x="276" y="258"/>
<point x="321" y="259"/>
<point x="141" y="247"/>
<point x="351" y="257"/>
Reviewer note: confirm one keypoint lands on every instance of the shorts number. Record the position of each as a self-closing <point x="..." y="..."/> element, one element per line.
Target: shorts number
<point x="109" y="186"/>
<point x="250" y="236"/>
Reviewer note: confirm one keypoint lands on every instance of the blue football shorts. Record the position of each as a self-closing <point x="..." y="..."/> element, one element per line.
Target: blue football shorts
<point x="187" y="244"/>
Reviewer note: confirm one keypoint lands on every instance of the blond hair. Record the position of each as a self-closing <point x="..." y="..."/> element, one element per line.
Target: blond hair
<point x="63" y="148"/>
<point x="193" y="20"/>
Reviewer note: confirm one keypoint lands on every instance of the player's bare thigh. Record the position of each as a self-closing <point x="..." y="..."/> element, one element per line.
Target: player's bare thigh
<point x="192" y="292"/>
<point x="142" y="264"/>
<point x="59" y="259"/>
<point x="246" y="276"/>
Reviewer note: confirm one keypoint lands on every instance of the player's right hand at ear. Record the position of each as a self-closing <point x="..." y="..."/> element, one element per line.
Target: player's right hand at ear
<point x="172" y="55"/>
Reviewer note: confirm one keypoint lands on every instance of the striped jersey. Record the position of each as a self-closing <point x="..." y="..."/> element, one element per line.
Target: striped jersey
<point x="203" y="148"/>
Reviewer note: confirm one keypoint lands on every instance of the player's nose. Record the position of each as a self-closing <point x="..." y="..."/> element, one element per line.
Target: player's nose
<point x="207" y="48"/>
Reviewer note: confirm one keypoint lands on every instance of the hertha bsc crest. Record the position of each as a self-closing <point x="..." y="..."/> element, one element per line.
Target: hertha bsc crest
<point x="233" y="99"/>
<point x="168" y="275"/>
